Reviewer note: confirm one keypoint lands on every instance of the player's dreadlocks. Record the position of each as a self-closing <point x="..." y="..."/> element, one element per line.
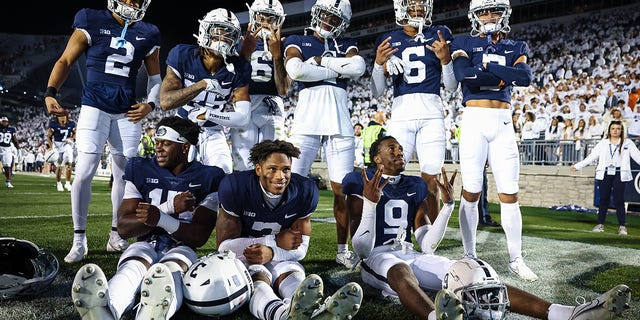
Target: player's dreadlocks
<point x="261" y="151"/>
<point x="184" y="127"/>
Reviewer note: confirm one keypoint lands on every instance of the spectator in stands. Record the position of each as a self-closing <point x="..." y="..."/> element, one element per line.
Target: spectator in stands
<point x="418" y="59"/>
<point x="487" y="134"/>
<point x="613" y="154"/>
<point x="200" y="79"/>
<point x="359" y="147"/>
<point x="322" y="63"/>
<point x="110" y="113"/>
<point x="374" y="131"/>
<point x="580" y="134"/>
<point x="595" y="128"/>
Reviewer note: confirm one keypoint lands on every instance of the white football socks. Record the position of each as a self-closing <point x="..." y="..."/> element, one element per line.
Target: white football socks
<point x="468" y="225"/>
<point x="121" y="295"/>
<point x="511" y="220"/>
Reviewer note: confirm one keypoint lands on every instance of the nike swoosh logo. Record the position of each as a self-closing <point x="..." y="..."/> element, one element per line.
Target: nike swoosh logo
<point x="366" y="231"/>
<point x="513" y="83"/>
<point x="346" y="64"/>
<point x="226" y="83"/>
<point x="471" y="78"/>
<point x="155" y="276"/>
<point x="287" y="216"/>
<point x="506" y="123"/>
<point x="140" y="38"/>
<point x="86" y="277"/>
<point x="446" y="303"/>
<point x="508" y="51"/>
<point x="194" y="185"/>
<point x="410" y="194"/>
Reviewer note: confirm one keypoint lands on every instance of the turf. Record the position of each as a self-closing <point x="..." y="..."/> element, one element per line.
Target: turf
<point x="570" y="260"/>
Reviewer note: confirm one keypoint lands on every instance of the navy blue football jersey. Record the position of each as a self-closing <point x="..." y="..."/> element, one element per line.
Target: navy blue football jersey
<point x="240" y="195"/>
<point x="504" y="53"/>
<point x="156" y="183"/>
<point x="397" y="207"/>
<point x="187" y="64"/>
<point x="112" y="69"/>
<point x="310" y="46"/>
<point x="61" y="133"/>
<point x="262" y="79"/>
<point x="423" y="71"/>
<point x="6" y="134"/>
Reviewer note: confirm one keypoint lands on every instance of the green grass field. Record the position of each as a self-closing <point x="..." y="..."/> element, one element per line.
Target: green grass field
<point x="570" y="260"/>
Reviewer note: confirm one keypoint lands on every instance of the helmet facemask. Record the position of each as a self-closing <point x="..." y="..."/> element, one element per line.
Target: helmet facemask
<point x="265" y="14"/>
<point x="495" y="15"/>
<point x="128" y="12"/>
<point x="487" y="302"/>
<point x="219" y="32"/>
<point x="328" y="20"/>
<point x="415" y="13"/>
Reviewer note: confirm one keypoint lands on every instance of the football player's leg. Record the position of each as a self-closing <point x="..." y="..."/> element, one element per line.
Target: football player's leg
<point x="178" y="260"/>
<point x="340" y="157"/>
<point x="242" y="140"/>
<point x="430" y="148"/>
<point x="125" y="283"/>
<point x="91" y="135"/>
<point x="215" y="151"/>
<point x="309" y="146"/>
<point x="609" y="305"/>
<point x="473" y="156"/>
<point x="404" y="282"/>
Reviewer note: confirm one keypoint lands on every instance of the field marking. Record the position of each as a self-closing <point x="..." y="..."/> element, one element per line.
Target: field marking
<point x="54" y="216"/>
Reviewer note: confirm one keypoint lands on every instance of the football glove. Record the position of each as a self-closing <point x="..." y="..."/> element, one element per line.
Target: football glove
<point x="195" y="113"/>
<point x="213" y="86"/>
<point x="395" y="66"/>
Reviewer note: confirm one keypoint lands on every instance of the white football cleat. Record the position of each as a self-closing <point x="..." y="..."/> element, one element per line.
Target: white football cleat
<point x="448" y="306"/>
<point x="342" y="305"/>
<point x="90" y="293"/>
<point x="306" y="298"/>
<point x="622" y="231"/>
<point x="518" y="267"/>
<point x="116" y="243"/>
<point x="9" y="185"/>
<point x="67" y="186"/>
<point x="348" y="259"/>
<point x="157" y="293"/>
<point x="78" y="252"/>
<point x="598" y="228"/>
<point x="607" y="306"/>
<point x="59" y="186"/>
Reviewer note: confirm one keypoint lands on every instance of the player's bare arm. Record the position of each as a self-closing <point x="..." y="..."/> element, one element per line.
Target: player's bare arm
<point x="229" y="227"/>
<point x="173" y="95"/>
<point x="76" y="46"/>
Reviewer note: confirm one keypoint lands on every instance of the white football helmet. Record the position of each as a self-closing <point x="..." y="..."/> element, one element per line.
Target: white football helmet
<point x="25" y="268"/>
<point x="479" y="289"/>
<point x="219" y="31"/>
<point x="265" y="13"/>
<point x="406" y="12"/>
<point x="330" y="18"/>
<point x="51" y="156"/>
<point x="128" y="12"/>
<point x="217" y="284"/>
<point x="500" y="24"/>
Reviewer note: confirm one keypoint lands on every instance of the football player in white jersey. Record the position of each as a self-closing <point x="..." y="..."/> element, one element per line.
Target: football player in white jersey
<point x="387" y="207"/>
<point x="269" y="82"/>
<point x="116" y="42"/>
<point x="169" y="206"/>
<point x="322" y="63"/>
<point x="488" y="66"/>
<point x="417" y="59"/>
<point x="61" y="139"/>
<point x="201" y="79"/>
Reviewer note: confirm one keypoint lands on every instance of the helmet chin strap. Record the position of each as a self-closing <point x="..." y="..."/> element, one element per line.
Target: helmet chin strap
<point x="120" y="41"/>
<point x="419" y="37"/>
<point x="266" y="54"/>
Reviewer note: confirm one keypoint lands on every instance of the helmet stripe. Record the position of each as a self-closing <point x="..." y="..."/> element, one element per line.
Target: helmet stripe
<point x="337" y="4"/>
<point x="484" y="267"/>
<point x="218" y="302"/>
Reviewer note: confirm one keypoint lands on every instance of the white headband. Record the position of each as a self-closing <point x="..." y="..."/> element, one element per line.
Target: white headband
<point x="167" y="133"/>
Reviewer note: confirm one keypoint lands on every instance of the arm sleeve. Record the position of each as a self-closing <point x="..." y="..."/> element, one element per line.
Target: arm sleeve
<point x="353" y="66"/>
<point x="280" y="254"/>
<point x="238" y="118"/>
<point x="238" y="245"/>
<point x="363" y="240"/>
<point x="518" y="75"/>
<point x="448" y="77"/>
<point x="378" y="80"/>
<point x="153" y="89"/>
<point x="473" y="76"/>
<point x="305" y="72"/>
<point x="429" y="236"/>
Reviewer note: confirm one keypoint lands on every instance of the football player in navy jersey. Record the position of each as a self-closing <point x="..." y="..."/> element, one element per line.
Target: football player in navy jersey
<point x="201" y="79"/>
<point x="265" y="219"/>
<point x="116" y="43"/>
<point x="488" y="65"/>
<point x="7" y="136"/>
<point x="417" y="59"/>
<point x="169" y="206"/>
<point x="386" y="207"/>
<point x="268" y="82"/>
<point x="322" y="63"/>
<point x="61" y="138"/>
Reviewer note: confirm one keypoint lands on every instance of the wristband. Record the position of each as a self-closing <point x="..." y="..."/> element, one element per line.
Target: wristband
<point x="152" y="104"/>
<point x="167" y="206"/>
<point x="51" y="92"/>
<point x="168" y="223"/>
